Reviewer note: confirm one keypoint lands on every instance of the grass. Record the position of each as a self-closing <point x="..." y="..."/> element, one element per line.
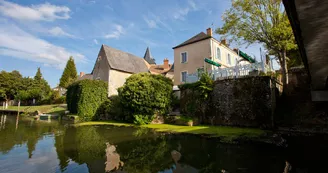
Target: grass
<point x="51" y="109"/>
<point x="228" y="133"/>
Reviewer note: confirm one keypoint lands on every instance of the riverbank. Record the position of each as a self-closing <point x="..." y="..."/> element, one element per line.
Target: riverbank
<point x="49" y="109"/>
<point x="227" y="133"/>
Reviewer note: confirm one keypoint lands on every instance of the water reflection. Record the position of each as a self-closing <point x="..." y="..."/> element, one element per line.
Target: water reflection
<point x="52" y="147"/>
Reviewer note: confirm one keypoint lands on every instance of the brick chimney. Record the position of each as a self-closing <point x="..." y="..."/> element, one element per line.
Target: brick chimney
<point x="81" y="74"/>
<point x="209" y="32"/>
<point x="166" y="64"/>
<point x="224" y="42"/>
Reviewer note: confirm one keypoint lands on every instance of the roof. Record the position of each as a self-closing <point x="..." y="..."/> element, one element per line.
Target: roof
<point x="199" y="37"/>
<point x="159" y="69"/>
<point x="124" y="61"/>
<point x="86" y="76"/>
<point x="148" y="57"/>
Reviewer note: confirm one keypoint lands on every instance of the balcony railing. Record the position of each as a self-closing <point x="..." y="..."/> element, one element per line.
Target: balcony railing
<point x="232" y="72"/>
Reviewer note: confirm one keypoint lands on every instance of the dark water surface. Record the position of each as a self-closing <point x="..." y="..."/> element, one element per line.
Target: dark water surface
<point x="39" y="146"/>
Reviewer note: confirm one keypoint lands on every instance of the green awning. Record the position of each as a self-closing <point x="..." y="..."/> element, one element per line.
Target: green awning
<point x="246" y="57"/>
<point x="212" y="62"/>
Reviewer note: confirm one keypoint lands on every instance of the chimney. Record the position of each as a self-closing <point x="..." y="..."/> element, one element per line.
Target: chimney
<point x="224" y="42"/>
<point x="166" y="64"/>
<point x="81" y="74"/>
<point x="209" y="31"/>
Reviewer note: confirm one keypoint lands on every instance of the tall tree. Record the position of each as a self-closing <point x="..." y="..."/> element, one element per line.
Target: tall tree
<point x="264" y="22"/>
<point x="38" y="75"/>
<point x="69" y="74"/>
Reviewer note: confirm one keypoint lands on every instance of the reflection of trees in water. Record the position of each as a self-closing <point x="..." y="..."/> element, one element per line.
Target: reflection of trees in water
<point x="23" y="134"/>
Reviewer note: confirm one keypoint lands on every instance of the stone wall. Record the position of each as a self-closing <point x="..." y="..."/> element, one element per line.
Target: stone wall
<point x="248" y="102"/>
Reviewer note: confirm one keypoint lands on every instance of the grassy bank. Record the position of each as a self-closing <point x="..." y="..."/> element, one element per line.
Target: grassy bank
<point x="51" y="109"/>
<point x="228" y="133"/>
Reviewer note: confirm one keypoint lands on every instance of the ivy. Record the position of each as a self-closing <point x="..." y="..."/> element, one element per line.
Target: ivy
<point x="85" y="97"/>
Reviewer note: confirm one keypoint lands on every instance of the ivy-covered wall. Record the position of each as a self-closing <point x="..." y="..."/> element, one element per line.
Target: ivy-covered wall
<point x="239" y="102"/>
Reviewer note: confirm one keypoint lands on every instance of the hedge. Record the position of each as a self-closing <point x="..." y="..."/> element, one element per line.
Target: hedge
<point x="84" y="98"/>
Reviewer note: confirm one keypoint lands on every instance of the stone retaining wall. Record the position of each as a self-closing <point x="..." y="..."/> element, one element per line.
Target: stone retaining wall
<point x="248" y="102"/>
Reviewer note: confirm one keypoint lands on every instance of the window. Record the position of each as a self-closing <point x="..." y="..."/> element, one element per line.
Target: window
<point x="229" y="59"/>
<point x="183" y="57"/>
<point x="183" y="76"/>
<point x="218" y="53"/>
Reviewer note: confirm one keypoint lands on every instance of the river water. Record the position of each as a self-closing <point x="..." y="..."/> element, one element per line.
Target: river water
<point x="41" y="146"/>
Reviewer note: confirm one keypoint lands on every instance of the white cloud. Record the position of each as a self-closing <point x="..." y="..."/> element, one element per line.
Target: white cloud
<point x="57" y="31"/>
<point x="150" y="23"/>
<point x="17" y="43"/>
<point x="116" y="33"/>
<point x="180" y="13"/>
<point x="95" y="41"/>
<point x="41" y="12"/>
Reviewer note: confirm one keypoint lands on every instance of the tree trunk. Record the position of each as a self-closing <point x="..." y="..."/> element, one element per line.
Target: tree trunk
<point x="284" y="69"/>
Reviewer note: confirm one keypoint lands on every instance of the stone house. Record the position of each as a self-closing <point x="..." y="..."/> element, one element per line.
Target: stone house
<point x="189" y="55"/>
<point x="114" y="66"/>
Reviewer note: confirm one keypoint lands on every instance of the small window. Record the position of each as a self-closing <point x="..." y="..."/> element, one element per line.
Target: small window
<point x="183" y="57"/>
<point x="183" y="76"/>
<point x="229" y="59"/>
<point x="218" y="53"/>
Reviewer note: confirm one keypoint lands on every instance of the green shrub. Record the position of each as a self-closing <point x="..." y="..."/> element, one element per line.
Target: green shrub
<point x="143" y="119"/>
<point x="145" y="94"/>
<point x="85" y="97"/>
<point x="196" y="95"/>
<point x="110" y="109"/>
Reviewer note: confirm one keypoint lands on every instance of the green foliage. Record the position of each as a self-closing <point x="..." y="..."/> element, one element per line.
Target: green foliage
<point x="14" y="86"/>
<point x="261" y="21"/>
<point x="85" y="97"/>
<point x="38" y="75"/>
<point x="69" y="75"/>
<point x="145" y="94"/>
<point x="196" y="103"/>
<point x="143" y="119"/>
<point x="110" y="109"/>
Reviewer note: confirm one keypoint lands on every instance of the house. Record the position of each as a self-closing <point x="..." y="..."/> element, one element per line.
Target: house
<point x="166" y="69"/>
<point x="189" y="55"/>
<point x="84" y="76"/>
<point x="114" y="66"/>
<point x="61" y="90"/>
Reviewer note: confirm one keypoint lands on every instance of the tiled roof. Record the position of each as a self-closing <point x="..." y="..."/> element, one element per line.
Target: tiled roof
<point x="148" y="57"/>
<point x="159" y="69"/>
<point x="124" y="61"/>
<point x="199" y="37"/>
<point x="86" y="76"/>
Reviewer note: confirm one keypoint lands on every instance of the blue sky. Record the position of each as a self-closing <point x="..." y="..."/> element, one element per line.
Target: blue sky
<point x="45" y="33"/>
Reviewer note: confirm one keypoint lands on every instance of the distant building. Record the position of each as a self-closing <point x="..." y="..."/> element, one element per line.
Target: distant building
<point x="61" y="90"/>
<point x="189" y="55"/>
<point x="164" y="69"/>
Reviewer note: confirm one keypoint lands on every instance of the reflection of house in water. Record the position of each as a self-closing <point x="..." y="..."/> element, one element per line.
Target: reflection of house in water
<point x="113" y="158"/>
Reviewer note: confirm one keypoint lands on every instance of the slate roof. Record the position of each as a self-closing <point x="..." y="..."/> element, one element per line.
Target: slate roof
<point x="148" y="57"/>
<point x="124" y="61"/>
<point x="199" y="37"/>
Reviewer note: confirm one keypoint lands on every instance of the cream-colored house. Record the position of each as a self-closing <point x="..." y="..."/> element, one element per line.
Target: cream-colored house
<point x="189" y="55"/>
<point x="114" y="66"/>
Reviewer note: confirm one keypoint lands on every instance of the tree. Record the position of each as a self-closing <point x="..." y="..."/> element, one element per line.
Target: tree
<point x="261" y="21"/>
<point x="10" y="84"/>
<point x="38" y="75"/>
<point x="69" y="74"/>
